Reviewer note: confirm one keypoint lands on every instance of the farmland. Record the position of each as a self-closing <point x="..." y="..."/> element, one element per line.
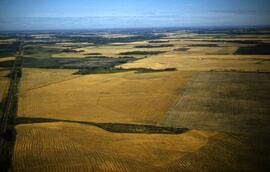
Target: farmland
<point x="177" y="100"/>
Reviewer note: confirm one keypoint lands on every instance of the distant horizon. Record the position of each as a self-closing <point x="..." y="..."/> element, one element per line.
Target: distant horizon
<point x="143" y="28"/>
<point x="106" y="14"/>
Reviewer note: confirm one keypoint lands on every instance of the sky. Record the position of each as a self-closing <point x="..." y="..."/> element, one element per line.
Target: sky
<point x="95" y="14"/>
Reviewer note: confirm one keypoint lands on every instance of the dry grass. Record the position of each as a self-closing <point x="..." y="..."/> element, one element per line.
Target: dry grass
<point x="75" y="147"/>
<point x="112" y="50"/>
<point x="6" y="59"/>
<point x="110" y="35"/>
<point x="223" y="101"/>
<point x="121" y="97"/>
<point x="36" y="78"/>
<point x="255" y="63"/>
<point x="8" y="41"/>
<point x="62" y="147"/>
<point x="209" y="103"/>
<point x="212" y="50"/>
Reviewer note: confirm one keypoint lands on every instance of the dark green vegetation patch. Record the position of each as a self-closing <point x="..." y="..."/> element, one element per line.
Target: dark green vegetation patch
<point x="112" y="127"/>
<point x="8" y="49"/>
<point x="181" y="49"/>
<point x="39" y="51"/>
<point x="68" y="50"/>
<point x="204" y="45"/>
<point x="158" y="42"/>
<point x="99" y="40"/>
<point x="260" y="49"/>
<point x="93" y="54"/>
<point x="113" y="69"/>
<point x="142" y="53"/>
<point x="154" y="46"/>
<point x="229" y="41"/>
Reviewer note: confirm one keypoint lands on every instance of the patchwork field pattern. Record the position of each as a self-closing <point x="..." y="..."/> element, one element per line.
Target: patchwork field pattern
<point x="165" y="100"/>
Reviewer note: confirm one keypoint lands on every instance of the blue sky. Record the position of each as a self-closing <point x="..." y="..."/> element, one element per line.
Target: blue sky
<point x="93" y="14"/>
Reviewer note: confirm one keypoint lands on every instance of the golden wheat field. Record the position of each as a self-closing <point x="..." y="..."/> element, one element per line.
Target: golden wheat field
<point x="75" y="147"/>
<point x="101" y="102"/>
<point x="242" y="63"/>
<point x="122" y="97"/>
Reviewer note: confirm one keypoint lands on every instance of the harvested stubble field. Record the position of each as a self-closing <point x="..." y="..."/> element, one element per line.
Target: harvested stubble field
<point x="75" y="147"/>
<point x="121" y="97"/>
<point x="221" y="98"/>
<point x="223" y="101"/>
<point x="240" y="63"/>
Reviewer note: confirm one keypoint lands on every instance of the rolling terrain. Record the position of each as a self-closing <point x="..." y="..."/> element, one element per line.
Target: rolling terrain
<point x="144" y="101"/>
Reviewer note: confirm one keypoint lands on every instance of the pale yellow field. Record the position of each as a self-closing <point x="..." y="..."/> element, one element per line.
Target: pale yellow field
<point x="242" y="63"/>
<point x="212" y="50"/>
<point x="108" y="50"/>
<point x="6" y="59"/>
<point x="109" y="35"/>
<point x="36" y="78"/>
<point x="129" y="43"/>
<point x="122" y="97"/>
<point x="8" y="41"/>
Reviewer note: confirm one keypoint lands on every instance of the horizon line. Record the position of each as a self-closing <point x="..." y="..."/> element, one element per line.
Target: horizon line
<point x="139" y="28"/>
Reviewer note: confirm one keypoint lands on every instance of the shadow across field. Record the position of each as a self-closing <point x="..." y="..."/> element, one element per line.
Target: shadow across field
<point x="111" y="127"/>
<point x="204" y="45"/>
<point x="181" y="49"/>
<point x="107" y="70"/>
<point x="8" y="49"/>
<point x="142" y="52"/>
<point x="259" y="49"/>
<point x="154" y="46"/>
<point x="85" y="66"/>
<point x="228" y="41"/>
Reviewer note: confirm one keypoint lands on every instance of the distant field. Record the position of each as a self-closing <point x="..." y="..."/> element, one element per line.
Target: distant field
<point x="79" y="46"/>
<point x="241" y="63"/>
<point x="166" y="100"/>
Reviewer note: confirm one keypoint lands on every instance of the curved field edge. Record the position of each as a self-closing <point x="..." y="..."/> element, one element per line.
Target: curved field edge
<point x="60" y="146"/>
